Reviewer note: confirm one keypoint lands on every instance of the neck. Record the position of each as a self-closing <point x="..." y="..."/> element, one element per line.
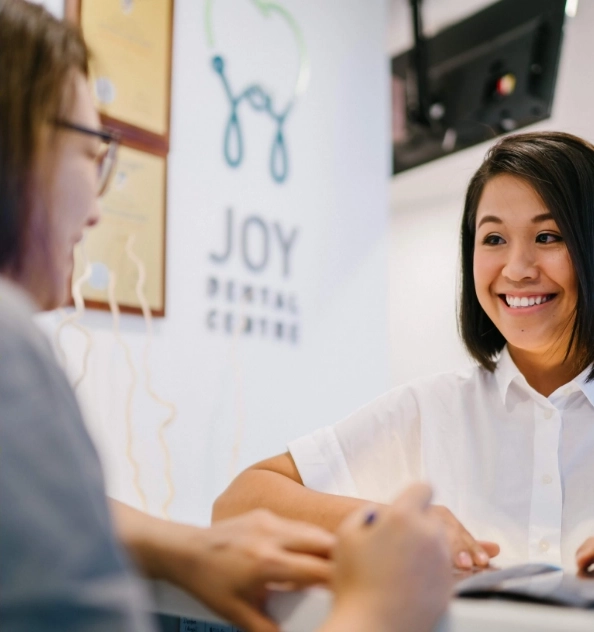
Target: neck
<point x="544" y="371"/>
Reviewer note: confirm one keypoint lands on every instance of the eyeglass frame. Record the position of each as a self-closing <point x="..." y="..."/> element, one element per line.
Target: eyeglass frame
<point x="110" y="136"/>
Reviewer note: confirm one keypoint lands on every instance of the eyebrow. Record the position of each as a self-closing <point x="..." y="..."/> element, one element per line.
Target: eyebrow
<point x="537" y="219"/>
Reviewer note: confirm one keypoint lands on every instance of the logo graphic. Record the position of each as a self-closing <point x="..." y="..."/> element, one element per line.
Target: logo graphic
<point x="258" y="98"/>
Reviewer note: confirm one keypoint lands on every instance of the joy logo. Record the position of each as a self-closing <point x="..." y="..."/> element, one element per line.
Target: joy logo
<point x="258" y="98"/>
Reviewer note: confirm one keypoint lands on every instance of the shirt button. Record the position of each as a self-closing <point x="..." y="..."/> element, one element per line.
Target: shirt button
<point x="543" y="545"/>
<point x="546" y="480"/>
<point x="548" y="413"/>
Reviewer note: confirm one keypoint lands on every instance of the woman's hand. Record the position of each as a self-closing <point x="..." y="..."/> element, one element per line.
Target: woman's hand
<point x="465" y="550"/>
<point x="585" y="558"/>
<point x="230" y="565"/>
<point x="392" y="567"/>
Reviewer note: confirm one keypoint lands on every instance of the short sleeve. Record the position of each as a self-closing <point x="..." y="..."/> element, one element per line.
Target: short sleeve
<point x="61" y="568"/>
<point x="372" y="454"/>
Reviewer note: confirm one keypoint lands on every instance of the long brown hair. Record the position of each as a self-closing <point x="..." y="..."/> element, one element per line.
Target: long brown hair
<point x="560" y="168"/>
<point x="38" y="55"/>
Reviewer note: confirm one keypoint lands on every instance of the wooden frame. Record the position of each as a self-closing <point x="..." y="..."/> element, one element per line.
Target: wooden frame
<point x="156" y="143"/>
<point x="136" y="204"/>
<point x="136" y="137"/>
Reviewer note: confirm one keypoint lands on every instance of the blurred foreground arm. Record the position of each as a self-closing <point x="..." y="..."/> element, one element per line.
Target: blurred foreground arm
<point x="230" y="565"/>
<point x="393" y="568"/>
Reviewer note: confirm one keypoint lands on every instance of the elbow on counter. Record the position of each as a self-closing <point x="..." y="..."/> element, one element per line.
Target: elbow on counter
<point x="259" y="486"/>
<point x="239" y="497"/>
<point x="224" y="505"/>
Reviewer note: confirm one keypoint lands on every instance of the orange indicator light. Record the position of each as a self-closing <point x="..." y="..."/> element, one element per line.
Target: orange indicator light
<point x="505" y="85"/>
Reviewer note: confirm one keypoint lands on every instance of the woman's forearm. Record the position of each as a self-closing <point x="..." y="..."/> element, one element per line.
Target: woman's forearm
<point x="156" y="546"/>
<point x="355" y="616"/>
<point x="276" y="485"/>
<point x="228" y="566"/>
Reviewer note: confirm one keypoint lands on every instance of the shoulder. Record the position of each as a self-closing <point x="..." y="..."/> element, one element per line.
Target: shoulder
<point x="52" y="488"/>
<point x="20" y="339"/>
<point x="31" y="381"/>
<point x="441" y="385"/>
<point x="37" y="400"/>
<point x="405" y="403"/>
<point x="451" y="380"/>
<point x="404" y="410"/>
<point x="448" y="393"/>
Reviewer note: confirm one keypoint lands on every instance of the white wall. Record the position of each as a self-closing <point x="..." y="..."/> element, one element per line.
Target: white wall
<point x="426" y="203"/>
<point x="257" y="394"/>
<point x="55" y="6"/>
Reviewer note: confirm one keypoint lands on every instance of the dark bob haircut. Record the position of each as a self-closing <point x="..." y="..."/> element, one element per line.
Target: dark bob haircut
<point x="560" y="168"/>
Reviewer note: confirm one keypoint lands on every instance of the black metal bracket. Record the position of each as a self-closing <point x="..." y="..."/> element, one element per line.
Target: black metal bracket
<point x="420" y="65"/>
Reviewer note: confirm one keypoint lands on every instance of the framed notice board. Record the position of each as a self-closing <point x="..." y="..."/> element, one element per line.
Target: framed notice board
<point x="130" y="43"/>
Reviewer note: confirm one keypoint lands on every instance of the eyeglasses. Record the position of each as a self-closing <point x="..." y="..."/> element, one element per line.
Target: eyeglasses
<point x="106" y="158"/>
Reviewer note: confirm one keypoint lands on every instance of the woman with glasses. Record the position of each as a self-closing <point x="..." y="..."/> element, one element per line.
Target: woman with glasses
<point x="105" y="155"/>
<point x="64" y="548"/>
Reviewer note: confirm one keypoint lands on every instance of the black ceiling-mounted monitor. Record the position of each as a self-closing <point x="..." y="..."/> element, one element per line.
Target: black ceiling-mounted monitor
<point x="492" y="73"/>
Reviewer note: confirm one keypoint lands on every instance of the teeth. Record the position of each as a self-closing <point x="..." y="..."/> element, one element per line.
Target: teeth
<point x="516" y="301"/>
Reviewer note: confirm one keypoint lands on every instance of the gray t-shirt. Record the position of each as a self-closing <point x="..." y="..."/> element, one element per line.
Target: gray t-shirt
<point x="61" y="568"/>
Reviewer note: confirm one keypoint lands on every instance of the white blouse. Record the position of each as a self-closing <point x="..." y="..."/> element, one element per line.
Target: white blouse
<point x="513" y="466"/>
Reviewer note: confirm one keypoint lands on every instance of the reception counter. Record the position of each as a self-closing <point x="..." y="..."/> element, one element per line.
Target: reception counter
<point x="305" y="611"/>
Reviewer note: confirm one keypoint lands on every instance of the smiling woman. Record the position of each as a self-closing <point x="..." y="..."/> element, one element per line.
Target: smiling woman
<point x="528" y="239"/>
<point x="525" y="281"/>
<point x="508" y="444"/>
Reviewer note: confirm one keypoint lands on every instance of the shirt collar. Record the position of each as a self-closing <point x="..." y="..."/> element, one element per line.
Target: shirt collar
<point x="506" y="372"/>
<point x="586" y="387"/>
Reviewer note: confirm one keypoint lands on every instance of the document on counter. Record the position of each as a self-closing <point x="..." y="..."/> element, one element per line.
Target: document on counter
<point x="542" y="583"/>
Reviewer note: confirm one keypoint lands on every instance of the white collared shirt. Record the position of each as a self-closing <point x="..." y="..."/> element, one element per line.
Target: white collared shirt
<point x="513" y="466"/>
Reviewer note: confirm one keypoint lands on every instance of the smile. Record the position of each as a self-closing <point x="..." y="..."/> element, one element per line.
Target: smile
<point x="522" y="302"/>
